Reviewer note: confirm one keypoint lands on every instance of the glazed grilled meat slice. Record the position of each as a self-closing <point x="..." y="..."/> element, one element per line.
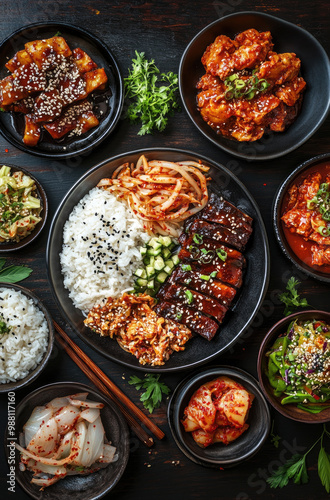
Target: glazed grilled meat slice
<point x="206" y="251"/>
<point x="191" y="318"/>
<point x="192" y="299"/>
<point x="213" y="288"/>
<point x="221" y="211"/>
<point x="233" y="237"/>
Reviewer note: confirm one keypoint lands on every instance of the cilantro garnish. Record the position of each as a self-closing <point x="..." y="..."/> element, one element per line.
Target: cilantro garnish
<point x="291" y="298"/>
<point x="151" y="102"/>
<point x="154" y="390"/>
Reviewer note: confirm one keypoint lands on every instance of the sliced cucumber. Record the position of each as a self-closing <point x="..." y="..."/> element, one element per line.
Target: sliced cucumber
<point x="159" y="263"/>
<point x="161" y="277"/>
<point x="141" y="282"/>
<point x="140" y="273"/>
<point x="165" y="240"/>
<point x="154" y="252"/>
<point x="169" y="263"/>
<point x="175" y="259"/>
<point x="150" y="270"/>
<point x="151" y="284"/>
<point x="166" y="253"/>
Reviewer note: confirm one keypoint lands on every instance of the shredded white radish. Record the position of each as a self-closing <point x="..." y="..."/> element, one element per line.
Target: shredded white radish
<point x="180" y="189"/>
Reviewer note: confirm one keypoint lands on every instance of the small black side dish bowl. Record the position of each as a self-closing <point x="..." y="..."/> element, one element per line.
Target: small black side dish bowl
<point x="218" y="454"/>
<point x="107" y="104"/>
<point x="89" y="487"/>
<point x="33" y="374"/>
<point x="10" y="246"/>
<point x="305" y="168"/>
<point x="287" y="37"/>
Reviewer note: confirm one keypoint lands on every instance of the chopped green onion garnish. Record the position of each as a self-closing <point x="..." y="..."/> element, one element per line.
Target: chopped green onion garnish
<point x="186" y="267"/>
<point x="189" y="296"/>
<point x="179" y="316"/>
<point x="222" y="254"/>
<point x="213" y="274"/>
<point x="204" y="251"/>
<point x="204" y="277"/>
<point x="198" y="239"/>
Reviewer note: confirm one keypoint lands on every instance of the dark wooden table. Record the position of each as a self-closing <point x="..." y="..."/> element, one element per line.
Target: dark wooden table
<point x="162" y="30"/>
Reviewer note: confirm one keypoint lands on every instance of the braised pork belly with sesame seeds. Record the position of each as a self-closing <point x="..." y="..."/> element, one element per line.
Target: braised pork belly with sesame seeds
<point x="47" y="80"/>
<point x="201" y="289"/>
<point x="248" y="89"/>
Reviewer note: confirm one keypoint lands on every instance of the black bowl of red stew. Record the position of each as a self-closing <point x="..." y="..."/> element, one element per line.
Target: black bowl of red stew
<point x="301" y="217"/>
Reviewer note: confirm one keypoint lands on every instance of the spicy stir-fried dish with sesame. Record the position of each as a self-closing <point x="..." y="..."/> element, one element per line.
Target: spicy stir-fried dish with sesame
<point x="248" y="88"/>
<point x="64" y="437"/>
<point x="49" y="84"/>
<point x="19" y="206"/>
<point x="299" y="365"/>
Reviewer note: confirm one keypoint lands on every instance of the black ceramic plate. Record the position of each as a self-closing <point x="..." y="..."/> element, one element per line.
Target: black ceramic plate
<point x="33" y="374"/>
<point x="109" y="101"/>
<point x="287" y="37"/>
<point x="309" y="165"/>
<point x="198" y="350"/>
<point x="93" y="486"/>
<point x="218" y="454"/>
<point x="10" y="246"/>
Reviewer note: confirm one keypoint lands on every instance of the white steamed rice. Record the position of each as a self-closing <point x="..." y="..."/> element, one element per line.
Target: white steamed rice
<point x="100" y="253"/>
<point x="22" y="349"/>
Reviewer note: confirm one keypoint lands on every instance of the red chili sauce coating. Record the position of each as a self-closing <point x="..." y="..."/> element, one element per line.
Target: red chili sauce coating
<point x="297" y="243"/>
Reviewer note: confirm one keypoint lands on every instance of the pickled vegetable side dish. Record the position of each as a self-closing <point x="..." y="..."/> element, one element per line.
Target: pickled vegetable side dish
<point x="298" y="365"/>
<point x="19" y="206"/>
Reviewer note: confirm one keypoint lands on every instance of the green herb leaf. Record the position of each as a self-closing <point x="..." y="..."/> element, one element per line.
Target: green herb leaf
<point x="323" y="466"/>
<point x="154" y="390"/>
<point x="291" y="298"/>
<point x="281" y="477"/>
<point x="2" y="263"/>
<point x="14" y="274"/>
<point x="150" y="102"/>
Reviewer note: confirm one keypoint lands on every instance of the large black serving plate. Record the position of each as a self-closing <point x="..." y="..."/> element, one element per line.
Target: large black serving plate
<point x="287" y="37"/>
<point x="198" y="350"/>
<point x="108" y="101"/>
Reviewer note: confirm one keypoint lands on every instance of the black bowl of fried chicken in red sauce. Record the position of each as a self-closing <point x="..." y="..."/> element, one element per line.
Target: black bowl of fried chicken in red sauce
<point x="248" y="83"/>
<point x="219" y="417"/>
<point x="301" y="217"/>
<point x="61" y="92"/>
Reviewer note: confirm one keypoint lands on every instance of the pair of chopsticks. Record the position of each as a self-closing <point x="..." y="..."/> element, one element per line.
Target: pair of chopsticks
<point x="104" y="384"/>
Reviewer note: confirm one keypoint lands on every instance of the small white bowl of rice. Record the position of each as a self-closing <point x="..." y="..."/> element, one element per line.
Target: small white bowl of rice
<point x="26" y="337"/>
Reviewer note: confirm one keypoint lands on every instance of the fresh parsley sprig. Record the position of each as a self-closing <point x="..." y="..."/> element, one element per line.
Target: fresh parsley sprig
<point x="296" y="469"/>
<point x="13" y="274"/>
<point x="154" y="390"/>
<point x="291" y="297"/>
<point x="150" y="102"/>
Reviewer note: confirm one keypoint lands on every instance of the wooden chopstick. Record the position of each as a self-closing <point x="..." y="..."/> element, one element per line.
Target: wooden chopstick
<point x="134" y="425"/>
<point x="92" y="368"/>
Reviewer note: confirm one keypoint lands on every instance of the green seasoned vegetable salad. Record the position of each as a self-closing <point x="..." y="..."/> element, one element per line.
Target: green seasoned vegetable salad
<point x="298" y="366"/>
